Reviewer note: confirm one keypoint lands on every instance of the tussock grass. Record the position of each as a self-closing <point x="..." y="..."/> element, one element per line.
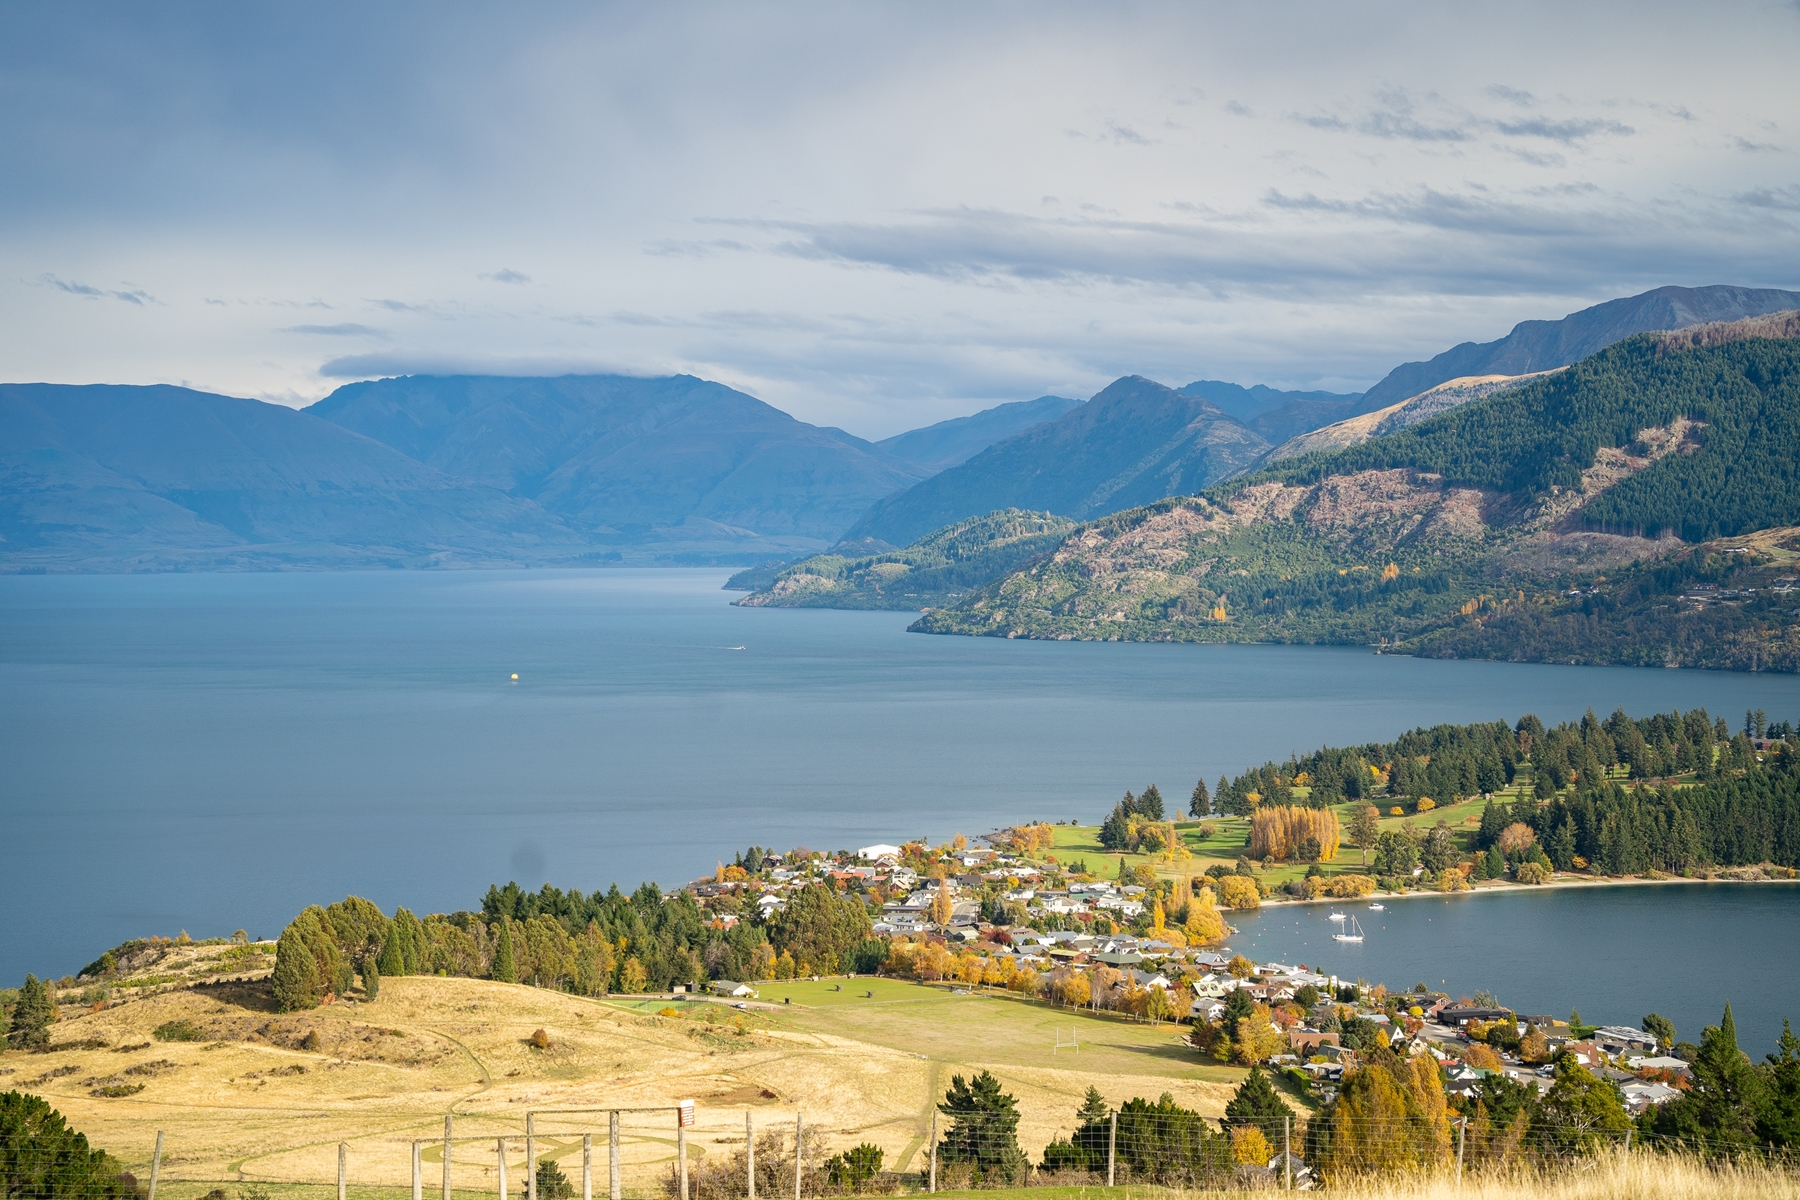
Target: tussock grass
<point x="1617" y="1176"/>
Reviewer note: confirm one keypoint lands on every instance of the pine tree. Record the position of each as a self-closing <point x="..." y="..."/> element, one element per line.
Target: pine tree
<point x="32" y="1015"/>
<point x="984" y="1131"/>
<point x="1256" y="1103"/>
<point x="1200" y="803"/>
<point x="415" y="946"/>
<point x="503" y="970"/>
<point x="1150" y="804"/>
<point x="371" y="974"/>
<point x="1094" y="1108"/>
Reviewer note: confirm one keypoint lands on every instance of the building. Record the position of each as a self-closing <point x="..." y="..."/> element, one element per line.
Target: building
<point x="737" y="991"/>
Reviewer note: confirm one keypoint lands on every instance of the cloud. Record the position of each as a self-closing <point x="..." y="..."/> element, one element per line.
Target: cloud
<point x="399" y="306"/>
<point x="1754" y="147"/>
<point x="505" y="275"/>
<point x="1500" y="91"/>
<point x="423" y="362"/>
<point x="344" y="329"/>
<point x="1236" y="109"/>
<point x="136" y="296"/>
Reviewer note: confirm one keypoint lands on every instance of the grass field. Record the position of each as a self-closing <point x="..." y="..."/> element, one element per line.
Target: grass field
<point x="246" y="1104"/>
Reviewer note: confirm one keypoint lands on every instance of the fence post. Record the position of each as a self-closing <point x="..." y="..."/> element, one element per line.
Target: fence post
<point x="1112" y="1142"/>
<point x="418" y="1171"/>
<point x="931" y="1183"/>
<point x="530" y="1156"/>
<point x="1462" y="1133"/>
<point x="680" y="1157"/>
<point x="500" y="1153"/>
<point x="156" y="1164"/>
<point x="447" y="1119"/>
<point x="1287" y="1150"/>
<point x="749" y="1156"/>
<point x="799" y="1131"/>
<point x="615" y="1184"/>
<point x="587" y="1166"/>
<point x="343" y="1169"/>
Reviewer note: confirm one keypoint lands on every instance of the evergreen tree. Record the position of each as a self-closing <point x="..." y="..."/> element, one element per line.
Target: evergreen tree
<point x="552" y="1184"/>
<point x="392" y="960"/>
<point x="1150" y="804"/>
<point x="1779" y="1124"/>
<point x="416" y="945"/>
<point x="32" y="1015"/>
<point x="296" y="982"/>
<point x="1496" y="863"/>
<point x="503" y="970"/>
<point x="371" y="974"/>
<point x="984" y="1130"/>
<point x="1094" y="1107"/>
<point x="1728" y="1096"/>
<point x="1085" y="1150"/>
<point x="1494" y="818"/>
<point x="1659" y="1027"/>
<point x="1200" y="803"/>
<point x="41" y="1157"/>
<point x="1255" y="1103"/>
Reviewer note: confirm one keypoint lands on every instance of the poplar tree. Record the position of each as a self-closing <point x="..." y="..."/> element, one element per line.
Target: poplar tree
<point x="503" y="969"/>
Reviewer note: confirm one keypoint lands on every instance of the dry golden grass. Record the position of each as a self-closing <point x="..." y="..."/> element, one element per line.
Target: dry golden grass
<point x="257" y="1102"/>
<point x="1619" y="1176"/>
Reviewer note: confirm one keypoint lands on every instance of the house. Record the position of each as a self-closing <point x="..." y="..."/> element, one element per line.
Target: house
<point x="1642" y="1095"/>
<point x="1659" y="1062"/>
<point x="1204" y="1009"/>
<point x="878" y="852"/>
<point x="737" y="991"/>
<point x="1456" y="1015"/>
<point x="1618" y="1039"/>
<point x="1306" y="1042"/>
<point x="1144" y="979"/>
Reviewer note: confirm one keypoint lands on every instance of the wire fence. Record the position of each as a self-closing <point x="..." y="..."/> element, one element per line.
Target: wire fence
<point x="686" y="1153"/>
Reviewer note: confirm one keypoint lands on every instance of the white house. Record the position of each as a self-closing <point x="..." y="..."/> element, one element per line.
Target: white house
<point x="737" y="991"/>
<point x="871" y="853"/>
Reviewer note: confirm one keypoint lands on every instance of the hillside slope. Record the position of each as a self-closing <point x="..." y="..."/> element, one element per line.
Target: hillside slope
<point x="1541" y="345"/>
<point x="1395" y="417"/>
<point x="935" y="570"/>
<point x="104" y="477"/>
<point x="626" y="461"/>
<point x="950" y="443"/>
<point x="1484" y="530"/>
<point x="1134" y="442"/>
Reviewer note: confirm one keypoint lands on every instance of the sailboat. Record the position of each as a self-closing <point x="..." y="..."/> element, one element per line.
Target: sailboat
<point x="1336" y="916"/>
<point x="1353" y="934"/>
<point x="1378" y="906"/>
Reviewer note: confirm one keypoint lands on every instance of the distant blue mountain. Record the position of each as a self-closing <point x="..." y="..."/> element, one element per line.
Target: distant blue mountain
<point x="948" y="443"/>
<point x="1277" y="415"/>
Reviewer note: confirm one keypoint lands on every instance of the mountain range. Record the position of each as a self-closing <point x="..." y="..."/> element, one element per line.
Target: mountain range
<point x="440" y="470"/>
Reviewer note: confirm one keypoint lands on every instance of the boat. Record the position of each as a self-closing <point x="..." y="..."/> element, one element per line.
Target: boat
<point x="1378" y="906"/>
<point x="1337" y="916"/>
<point x="1353" y="934"/>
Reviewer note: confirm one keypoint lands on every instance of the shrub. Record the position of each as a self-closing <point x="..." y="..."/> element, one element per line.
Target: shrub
<point x="552" y="1184"/>
<point x="178" y="1031"/>
<point x="1350" y="886"/>
<point x="115" y="1090"/>
<point x="1531" y="872"/>
<point x="47" y="1158"/>
<point x="855" y="1166"/>
<point x="541" y="1039"/>
<point x="1426" y="804"/>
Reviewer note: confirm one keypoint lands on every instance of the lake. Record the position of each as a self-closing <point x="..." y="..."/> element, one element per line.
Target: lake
<point x="1615" y="953"/>
<point x="209" y="752"/>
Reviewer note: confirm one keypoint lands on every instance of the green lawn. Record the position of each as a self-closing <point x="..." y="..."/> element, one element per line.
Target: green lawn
<point x="938" y="1023"/>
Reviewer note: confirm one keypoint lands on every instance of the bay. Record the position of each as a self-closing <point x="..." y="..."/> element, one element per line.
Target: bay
<point x="210" y="752"/>
<point x="1614" y="952"/>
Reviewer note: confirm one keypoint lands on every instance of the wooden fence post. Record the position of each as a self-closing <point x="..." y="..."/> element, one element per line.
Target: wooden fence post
<point x="418" y="1171"/>
<point x="750" y="1155"/>
<point x="799" y="1133"/>
<point x="680" y="1158"/>
<point x="587" y="1166"/>
<point x="931" y="1183"/>
<point x="156" y="1164"/>
<point x="1462" y="1130"/>
<point x="343" y="1170"/>
<point x="531" y="1156"/>
<point x="1112" y="1141"/>
<point x="615" y="1177"/>
<point x="500" y="1154"/>
<point x="447" y="1120"/>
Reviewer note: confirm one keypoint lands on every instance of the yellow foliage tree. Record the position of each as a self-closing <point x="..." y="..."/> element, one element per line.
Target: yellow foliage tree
<point x="1204" y="925"/>
<point x="1387" y="1121"/>
<point x="942" y="906"/>
<point x="1237" y="891"/>
<point x="1257" y="1037"/>
<point x="1349" y="887"/>
<point x="1516" y="838"/>
<point x="1249" y="1147"/>
<point x="1278" y="831"/>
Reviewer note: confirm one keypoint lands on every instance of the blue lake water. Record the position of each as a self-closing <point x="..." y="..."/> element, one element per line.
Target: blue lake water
<point x="205" y="752"/>
<point x="1615" y="953"/>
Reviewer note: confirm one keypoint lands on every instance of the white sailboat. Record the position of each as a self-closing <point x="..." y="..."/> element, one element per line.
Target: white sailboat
<point x="1353" y="934"/>
<point x="1378" y="906"/>
<point x="1337" y="916"/>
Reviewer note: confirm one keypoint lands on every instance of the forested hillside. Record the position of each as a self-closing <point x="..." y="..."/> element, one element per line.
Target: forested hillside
<point x="935" y="570"/>
<point x="1543" y="523"/>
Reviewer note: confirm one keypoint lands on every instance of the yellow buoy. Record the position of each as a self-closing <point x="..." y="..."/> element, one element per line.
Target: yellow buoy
<point x="515" y="677"/>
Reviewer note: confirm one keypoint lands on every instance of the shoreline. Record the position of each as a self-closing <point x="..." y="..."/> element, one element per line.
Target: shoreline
<point x="1492" y="888"/>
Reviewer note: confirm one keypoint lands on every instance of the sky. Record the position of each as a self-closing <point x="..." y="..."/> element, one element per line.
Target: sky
<point x="869" y="215"/>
